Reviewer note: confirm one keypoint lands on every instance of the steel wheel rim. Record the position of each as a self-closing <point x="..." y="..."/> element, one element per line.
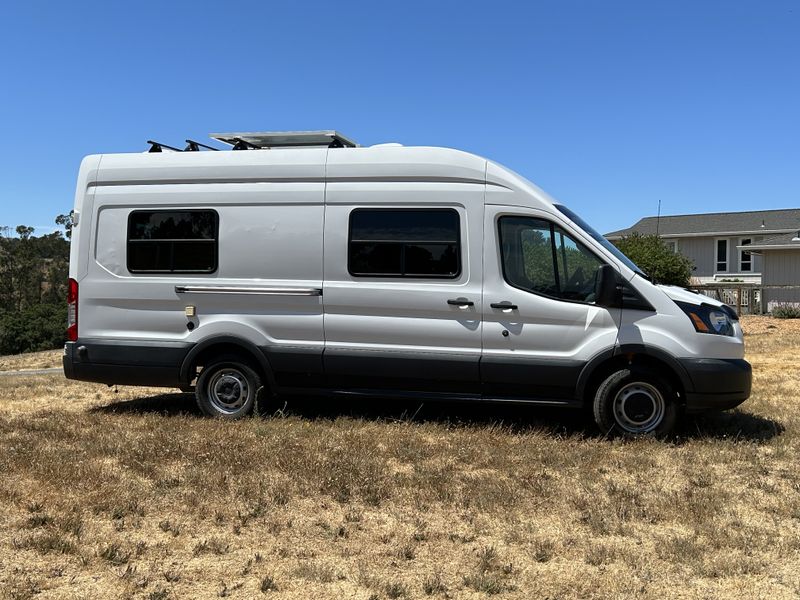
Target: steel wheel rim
<point x="228" y="390"/>
<point x="639" y="407"/>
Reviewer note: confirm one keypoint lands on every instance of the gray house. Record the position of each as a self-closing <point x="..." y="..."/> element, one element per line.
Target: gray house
<point x="761" y="246"/>
<point x="781" y="258"/>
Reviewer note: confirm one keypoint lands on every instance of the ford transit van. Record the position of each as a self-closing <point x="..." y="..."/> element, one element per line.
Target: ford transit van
<point x="299" y="263"/>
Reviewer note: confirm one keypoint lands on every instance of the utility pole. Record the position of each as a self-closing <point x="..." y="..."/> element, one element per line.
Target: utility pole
<point x="658" y="216"/>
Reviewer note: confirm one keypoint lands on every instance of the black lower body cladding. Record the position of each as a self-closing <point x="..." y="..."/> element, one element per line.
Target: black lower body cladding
<point x="168" y="363"/>
<point x="125" y="362"/>
<point x="710" y="384"/>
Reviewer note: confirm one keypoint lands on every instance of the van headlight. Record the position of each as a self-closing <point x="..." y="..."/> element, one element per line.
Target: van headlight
<point x="709" y="319"/>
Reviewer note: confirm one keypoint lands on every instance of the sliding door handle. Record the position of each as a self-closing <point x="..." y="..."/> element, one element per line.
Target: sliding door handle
<point x="460" y="302"/>
<point x="504" y="305"/>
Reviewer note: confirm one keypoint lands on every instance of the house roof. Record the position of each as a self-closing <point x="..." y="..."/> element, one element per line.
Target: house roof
<point x="724" y="223"/>
<point x="785" y="241"/>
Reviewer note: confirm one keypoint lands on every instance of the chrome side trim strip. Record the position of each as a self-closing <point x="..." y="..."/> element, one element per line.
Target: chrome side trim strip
<point x="263" y="291"/>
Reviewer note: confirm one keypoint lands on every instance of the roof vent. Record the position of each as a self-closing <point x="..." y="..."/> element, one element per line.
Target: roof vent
<point x="797" y="237"/>
<point x="763" y="225"/>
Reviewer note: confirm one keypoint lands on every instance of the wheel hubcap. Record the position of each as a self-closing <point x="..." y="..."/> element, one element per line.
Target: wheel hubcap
<point x="228" y="390"/>
<point x="639" y="407"/>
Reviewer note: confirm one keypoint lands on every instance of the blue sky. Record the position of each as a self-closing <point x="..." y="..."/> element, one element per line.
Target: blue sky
<point x="609" y="106"/>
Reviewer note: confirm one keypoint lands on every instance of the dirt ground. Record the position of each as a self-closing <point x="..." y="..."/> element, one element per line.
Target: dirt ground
<point x="129" y="493"/>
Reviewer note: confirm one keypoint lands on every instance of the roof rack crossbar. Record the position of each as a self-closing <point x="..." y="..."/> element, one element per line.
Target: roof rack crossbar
<point x="157" y="147"/>
<point x="192" y="146"/>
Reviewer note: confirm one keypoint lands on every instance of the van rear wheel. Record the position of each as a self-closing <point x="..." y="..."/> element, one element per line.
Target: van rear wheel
<point x="227" y="388"/>
<point x="635" y="403"/>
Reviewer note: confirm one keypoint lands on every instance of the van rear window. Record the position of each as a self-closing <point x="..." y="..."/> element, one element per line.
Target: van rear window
<point x="387" y="242"/>
<point x="172" y="241"/>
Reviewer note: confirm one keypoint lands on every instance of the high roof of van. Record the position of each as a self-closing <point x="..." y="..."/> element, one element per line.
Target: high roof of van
<point x="382" y="162"/>
<point x="289" y="164"/>
<point x="303" y="156"/>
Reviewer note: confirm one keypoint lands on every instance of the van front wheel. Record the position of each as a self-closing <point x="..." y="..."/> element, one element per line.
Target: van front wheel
<point x="635" y="403"/>
<point x="227" y="388"/>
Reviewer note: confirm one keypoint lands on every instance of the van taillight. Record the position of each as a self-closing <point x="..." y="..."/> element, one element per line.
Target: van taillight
<point x="72" y="311"/>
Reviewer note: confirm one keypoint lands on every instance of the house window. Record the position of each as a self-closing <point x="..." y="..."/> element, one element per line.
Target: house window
<point x="172" y="241"/>
<point x="404" y="243"/>
<point x="672" y="245"/>
<point x="722" y="256"/>
<point x="745" y="258"/>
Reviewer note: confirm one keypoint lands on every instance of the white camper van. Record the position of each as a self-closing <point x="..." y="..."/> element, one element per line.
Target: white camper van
<point x="299" y="262"/>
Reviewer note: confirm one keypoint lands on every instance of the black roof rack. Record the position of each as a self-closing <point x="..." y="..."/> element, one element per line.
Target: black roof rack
<point x="192" y="146"/>
<point x="265" y="140"/>
<point x="157" y="147"/>
<point x="240" y="144"/>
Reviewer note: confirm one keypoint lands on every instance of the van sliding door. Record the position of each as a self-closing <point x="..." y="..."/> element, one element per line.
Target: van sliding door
<point x="402" y="286"/>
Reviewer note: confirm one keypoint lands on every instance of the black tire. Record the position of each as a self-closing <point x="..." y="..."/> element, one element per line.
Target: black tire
<point x="227" y="388"/>
<point x="635" y="403"/>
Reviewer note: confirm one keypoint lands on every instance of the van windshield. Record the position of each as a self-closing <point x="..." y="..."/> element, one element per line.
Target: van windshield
<point x="600" y="239"/>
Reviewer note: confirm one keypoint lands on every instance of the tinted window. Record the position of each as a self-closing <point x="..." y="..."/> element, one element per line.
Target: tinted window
<point x="172" y="241"/>
<point x="722" y="255"/>
<point x="404" y="243"/>
<point x="542" y="258"/>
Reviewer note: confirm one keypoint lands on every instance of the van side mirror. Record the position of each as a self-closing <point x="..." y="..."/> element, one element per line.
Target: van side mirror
<point x="606" y="291"/>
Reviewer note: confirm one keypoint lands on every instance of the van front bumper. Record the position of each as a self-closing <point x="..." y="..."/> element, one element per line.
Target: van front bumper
<point x="718" y="383"/>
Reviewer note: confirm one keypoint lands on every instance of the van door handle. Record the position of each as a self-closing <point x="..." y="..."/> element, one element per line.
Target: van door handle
<point x="460" y="302"/>
<point x="504" y="305"/>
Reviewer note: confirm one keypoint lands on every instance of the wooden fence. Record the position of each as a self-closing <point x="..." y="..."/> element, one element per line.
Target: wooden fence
<point x="746" y="298"/>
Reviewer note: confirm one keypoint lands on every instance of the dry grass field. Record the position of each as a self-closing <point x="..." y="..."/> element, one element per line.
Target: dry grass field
<point x="117" y="493"/>
<point x="33" y="360"/>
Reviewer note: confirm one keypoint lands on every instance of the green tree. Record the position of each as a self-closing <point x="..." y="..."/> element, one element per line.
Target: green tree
<point x="26" y="271"/>
<point x="39" y="327"/>
<point x="7" y="296"/>
<point x="33" y="278"/>
<point x="66" y="221"/>
<point x="656" y="259"/>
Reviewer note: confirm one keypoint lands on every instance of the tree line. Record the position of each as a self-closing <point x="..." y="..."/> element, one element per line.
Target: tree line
<point x="33" y="287"/>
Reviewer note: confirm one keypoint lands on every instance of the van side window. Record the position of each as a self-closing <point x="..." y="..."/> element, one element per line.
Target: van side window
<point x="172" y="241"/>
<point x="542" y="258"/>
<point x="404" y="243"/>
